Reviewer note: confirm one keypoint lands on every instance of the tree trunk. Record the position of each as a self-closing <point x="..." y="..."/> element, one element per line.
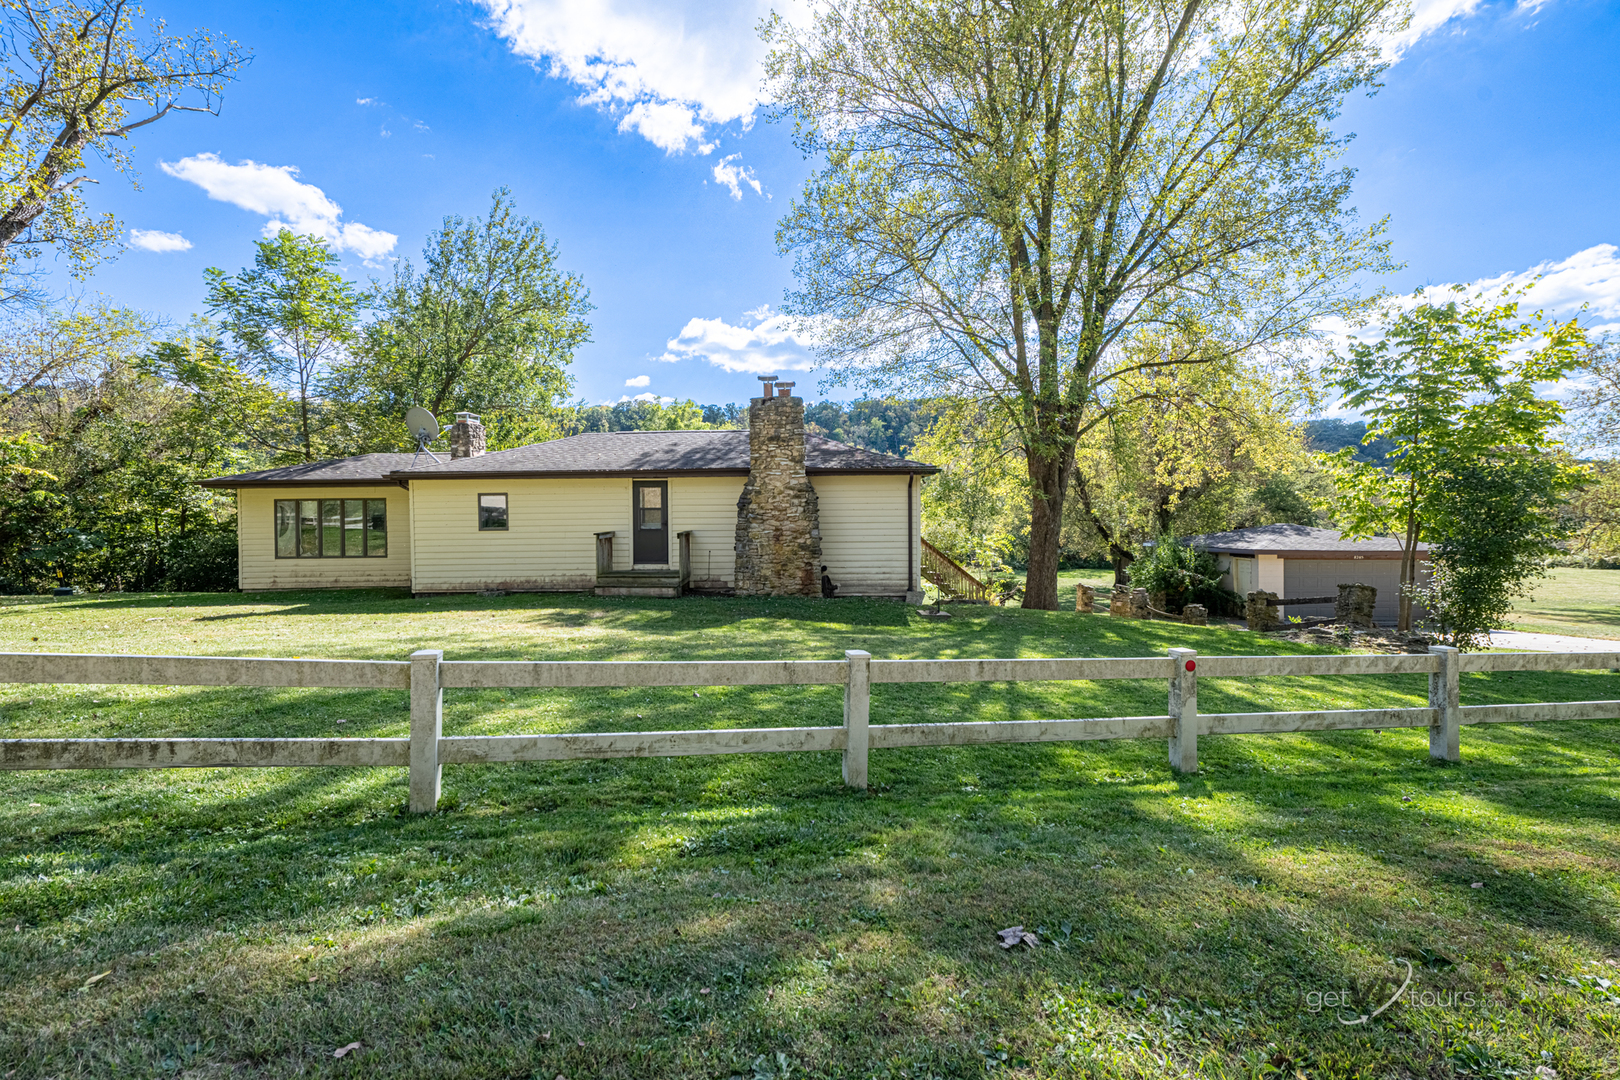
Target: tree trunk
<point x="1122" y="560"/>
<point x="1117" y="555"/>
<point x="303" y="414"/>
<point x="1403" y="618"/>
<point x="1048" y="481"/>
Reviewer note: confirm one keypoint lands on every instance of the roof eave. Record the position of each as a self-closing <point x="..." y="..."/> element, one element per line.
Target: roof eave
<point x="608" y="474"/>
<point x="229" y="482"/>
<point x="1308" y="553"/>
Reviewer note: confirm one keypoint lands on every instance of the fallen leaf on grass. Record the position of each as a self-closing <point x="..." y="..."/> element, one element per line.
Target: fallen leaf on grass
<point x="92" y="980"/>
<point x="1016" y="935"/>
<point x="343" y="1051"/>
<point x="1477" y="885"/>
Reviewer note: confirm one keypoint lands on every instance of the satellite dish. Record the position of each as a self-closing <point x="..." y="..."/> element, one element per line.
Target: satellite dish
<point x="424" y="427"/>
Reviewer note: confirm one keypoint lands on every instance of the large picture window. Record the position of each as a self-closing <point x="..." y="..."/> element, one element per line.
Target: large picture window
<point x="331" y="528"/>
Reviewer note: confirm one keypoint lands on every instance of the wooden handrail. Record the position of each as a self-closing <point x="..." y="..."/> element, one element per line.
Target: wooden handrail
<point x="945" y="572"/>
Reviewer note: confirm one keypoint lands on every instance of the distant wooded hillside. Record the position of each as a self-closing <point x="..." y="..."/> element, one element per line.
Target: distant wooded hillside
<point x="887" y="425"/>
<point x="1330" y="435"/>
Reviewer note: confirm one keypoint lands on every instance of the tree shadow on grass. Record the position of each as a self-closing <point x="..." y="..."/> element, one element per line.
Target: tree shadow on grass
<point x="597" y="902"/>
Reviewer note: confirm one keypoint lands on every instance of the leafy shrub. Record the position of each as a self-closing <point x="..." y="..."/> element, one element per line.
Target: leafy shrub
<point x="1498" y="525"/>
<point x="203" y="562"/>
<point x="1587" y="562"/>
<point x="1183" y="574"/>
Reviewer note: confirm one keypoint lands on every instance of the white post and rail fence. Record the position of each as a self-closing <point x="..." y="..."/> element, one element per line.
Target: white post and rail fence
<point x="427" y="675"/>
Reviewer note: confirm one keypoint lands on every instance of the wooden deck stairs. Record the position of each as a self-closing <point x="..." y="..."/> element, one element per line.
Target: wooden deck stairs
<point x="671" y="581"/>
<point x="946" y="574"/>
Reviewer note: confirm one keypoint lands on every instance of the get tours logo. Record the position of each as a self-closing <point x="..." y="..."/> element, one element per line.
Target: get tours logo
<point x="1358" y="1002"/>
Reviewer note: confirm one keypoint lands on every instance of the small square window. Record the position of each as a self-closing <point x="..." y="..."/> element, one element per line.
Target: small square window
<point x="491" y="513"/>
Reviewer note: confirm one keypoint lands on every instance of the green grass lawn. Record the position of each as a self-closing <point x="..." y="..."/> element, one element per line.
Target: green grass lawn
<point x="748" y="916"/>
<point x="1585" y="603"/>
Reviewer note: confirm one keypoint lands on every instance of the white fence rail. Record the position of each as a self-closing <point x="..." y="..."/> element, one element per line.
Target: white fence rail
<point x="427" y="675"/>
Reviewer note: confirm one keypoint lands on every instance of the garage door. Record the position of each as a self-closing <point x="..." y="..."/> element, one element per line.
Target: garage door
<point x="1322" y="577"/>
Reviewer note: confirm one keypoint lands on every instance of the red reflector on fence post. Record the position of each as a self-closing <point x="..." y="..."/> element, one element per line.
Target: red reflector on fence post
<point x="1192" y="665"/>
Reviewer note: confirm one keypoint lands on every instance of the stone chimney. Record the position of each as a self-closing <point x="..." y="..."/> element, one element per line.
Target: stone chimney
<point x="778" y="516"/>
<point x="466" y="436"/>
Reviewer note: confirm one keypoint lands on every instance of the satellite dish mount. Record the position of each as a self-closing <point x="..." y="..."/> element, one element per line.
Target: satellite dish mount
<point x="424" y="429"/>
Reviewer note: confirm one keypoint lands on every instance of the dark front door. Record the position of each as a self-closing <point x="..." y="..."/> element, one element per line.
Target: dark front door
<point x="650" y="521"/>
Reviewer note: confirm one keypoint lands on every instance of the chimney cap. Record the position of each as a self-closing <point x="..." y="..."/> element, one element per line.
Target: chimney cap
<point x="767" y="378"/>
<point x="787" y="384"/>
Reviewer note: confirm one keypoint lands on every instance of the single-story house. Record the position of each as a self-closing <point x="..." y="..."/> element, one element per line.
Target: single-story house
<point x="1297" y="560"/>
<point x="633" y="512"/>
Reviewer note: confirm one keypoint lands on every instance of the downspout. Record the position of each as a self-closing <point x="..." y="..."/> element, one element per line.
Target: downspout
<point x="911" y="543"/>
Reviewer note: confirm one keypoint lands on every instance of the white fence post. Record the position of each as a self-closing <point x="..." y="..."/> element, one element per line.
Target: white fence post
<point x="427" y="725"/>
<point x="857" y="712"/>
<point x="1184" y="710"/>
<point x="1445" y="735"/>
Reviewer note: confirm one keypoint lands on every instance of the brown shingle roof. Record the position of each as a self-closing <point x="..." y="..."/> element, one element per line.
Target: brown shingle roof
<point x="616" y="453"/>
<point x="603" y="453"/>
<point x="1297" y="540"/>
<point x="363" y="469"/>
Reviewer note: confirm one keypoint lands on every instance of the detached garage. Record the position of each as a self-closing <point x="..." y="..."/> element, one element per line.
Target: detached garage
<point x="1297" y="560"/>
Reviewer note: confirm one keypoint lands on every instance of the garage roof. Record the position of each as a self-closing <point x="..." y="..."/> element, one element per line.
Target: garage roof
<point x="1299" y="542"/>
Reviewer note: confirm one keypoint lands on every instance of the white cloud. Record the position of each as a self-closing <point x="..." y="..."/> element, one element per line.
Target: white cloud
<point x="1588" y="279"/>
<point x="734" y="176"/>
<point x="668" y="125"/>
<point x="1584" y="286"/>
<point x="367" y="101"/>
<point x="1431" y="16"/>
<point x="673" y="66"/>
<point x="276" y="192"/>
<point x="639" y="380"/>
<point x="154" y="240"/>
<point x="771" y="345"/>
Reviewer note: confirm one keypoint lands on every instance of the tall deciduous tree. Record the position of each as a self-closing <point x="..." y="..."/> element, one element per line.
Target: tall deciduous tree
<point x="1176" y="436"/>
<point x="1014" y="188"/>
<point x="1452" y="385"/>
<point x="1595" y="430"/>
<point x="79" y="78"/>
<point x="289" y="318"/>
<point x="1491" y="523"/>
<point x="489" y="324"/>
<point x="100" y="486"/>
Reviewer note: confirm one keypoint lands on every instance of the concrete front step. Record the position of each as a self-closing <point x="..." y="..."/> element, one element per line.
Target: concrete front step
<point x="666" y="583"/>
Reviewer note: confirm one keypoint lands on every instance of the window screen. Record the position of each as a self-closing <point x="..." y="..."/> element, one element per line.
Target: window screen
<point x="492" y="512"/>
<point x="377" y="527"/>
<point x="652" y="507"/>
<point x="286" y="529"/>
<point x="354" y="526"/>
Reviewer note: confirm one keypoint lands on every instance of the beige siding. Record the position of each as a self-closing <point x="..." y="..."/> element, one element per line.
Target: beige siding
<point x="865" y="541"/>
<point x="256" y="543"/>
<point x="707" y="505"/>
<point x="550" y="544"/>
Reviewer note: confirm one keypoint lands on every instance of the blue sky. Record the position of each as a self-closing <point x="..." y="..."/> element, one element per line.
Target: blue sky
<point x="629" y="129"/>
